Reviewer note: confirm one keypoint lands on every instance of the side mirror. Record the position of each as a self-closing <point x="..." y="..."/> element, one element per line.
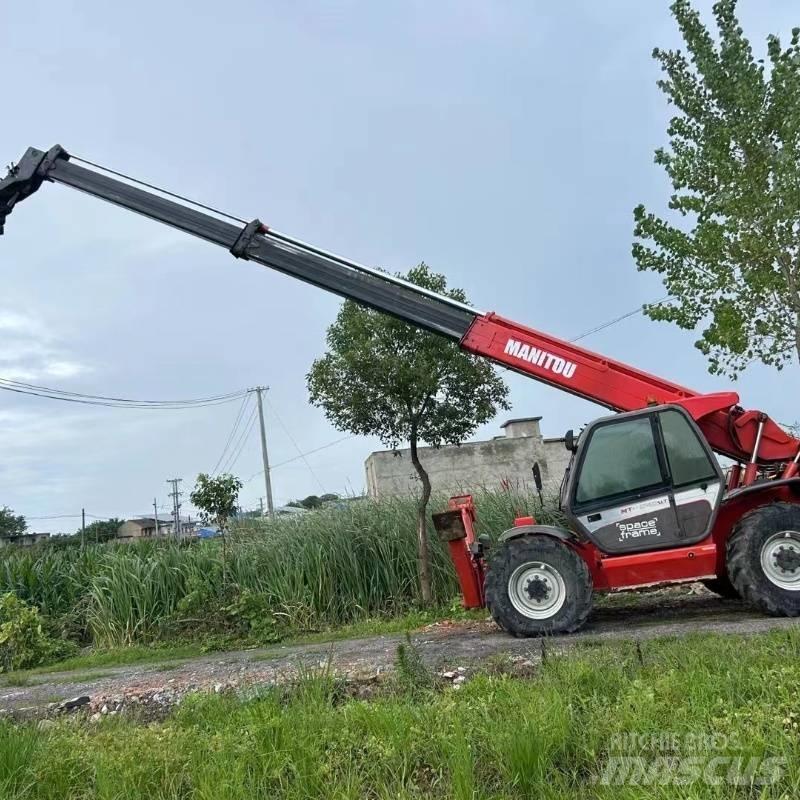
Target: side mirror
<point x="570" y="442"/>
<point x="537" y="479"/>
<point x="537" y="476"/>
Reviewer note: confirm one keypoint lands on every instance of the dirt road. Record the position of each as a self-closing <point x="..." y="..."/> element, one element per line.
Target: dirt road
<point x="443" y="646"/>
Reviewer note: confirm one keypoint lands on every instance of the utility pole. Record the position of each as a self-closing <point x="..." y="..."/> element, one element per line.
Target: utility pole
<point x="83" y="527"/>
<point x="176" y="505"/>
<point x="155" y="514"/>
<point x="264" y="456"/>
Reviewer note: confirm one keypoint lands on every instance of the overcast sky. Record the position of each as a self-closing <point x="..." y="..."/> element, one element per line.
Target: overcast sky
<point x="505" y="143"/>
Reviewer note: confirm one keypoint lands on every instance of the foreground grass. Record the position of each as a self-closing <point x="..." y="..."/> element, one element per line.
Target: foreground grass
<point x="551" y="736"/>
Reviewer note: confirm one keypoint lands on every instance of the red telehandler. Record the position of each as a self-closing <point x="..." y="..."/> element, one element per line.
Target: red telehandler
<point x="644" y="495"/>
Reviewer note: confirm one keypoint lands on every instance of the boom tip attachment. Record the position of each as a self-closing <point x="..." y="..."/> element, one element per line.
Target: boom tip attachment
<point x="25" y="177"/>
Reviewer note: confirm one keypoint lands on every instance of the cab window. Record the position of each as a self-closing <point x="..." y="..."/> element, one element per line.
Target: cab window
<point x="620" y="458"/>
<point x="687" y="458"/>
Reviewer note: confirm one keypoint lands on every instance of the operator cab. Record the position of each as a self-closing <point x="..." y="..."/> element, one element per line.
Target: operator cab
<point x="644" y="480"/>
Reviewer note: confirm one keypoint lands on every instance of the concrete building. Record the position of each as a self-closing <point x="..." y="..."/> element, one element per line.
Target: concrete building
<point x="142" y="528"/>
<point x="504" y="462"/>
<point x="145" y="528"/>
<point x="25" y="540"/>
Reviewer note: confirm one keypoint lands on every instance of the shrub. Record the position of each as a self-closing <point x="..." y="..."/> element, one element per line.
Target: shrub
<point x="23" y="641"/>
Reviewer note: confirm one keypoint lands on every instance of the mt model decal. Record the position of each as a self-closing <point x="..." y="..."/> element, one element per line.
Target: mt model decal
<point x="541" y="358"/>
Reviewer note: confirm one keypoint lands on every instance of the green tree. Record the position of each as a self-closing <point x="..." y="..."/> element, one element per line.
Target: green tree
<point x="101" y="530"/>
<point x="11" y="525"/>
<point x="381" y="377"/>
<point x="729" y="255"/>
<point x="216" y="498"/>
<point x="313" y="501"/>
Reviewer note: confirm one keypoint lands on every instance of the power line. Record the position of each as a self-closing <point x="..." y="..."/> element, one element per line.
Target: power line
<point x="242" y="441"/>
<point x="301" y="454"/>
<point x="232" y="432"/>
<point x="297" y="458"/>
<point x="115" y="402"/>
<point x="99" y="517"/>
<point x="604" y="325"/>
<point x="632" y="313"/>
<point x="315" y="450"/>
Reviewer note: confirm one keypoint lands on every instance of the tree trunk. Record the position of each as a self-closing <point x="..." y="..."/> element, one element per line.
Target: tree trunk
<point x="797" y="334"/>
<point x="423" y="552"/>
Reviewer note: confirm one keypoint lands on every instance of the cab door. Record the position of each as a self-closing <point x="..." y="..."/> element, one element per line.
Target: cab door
<point x="644" y="481"/>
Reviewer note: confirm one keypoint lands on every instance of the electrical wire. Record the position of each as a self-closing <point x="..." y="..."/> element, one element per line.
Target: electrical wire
<point x="63" y="395"/>
<point x="301" y="454"/>
<point x="297" y="458"/>
<point x="632" y="313"/>
<point x="232" y="433"/>
<point x="627" y="315"/>
<point x="123" y="399"/>
<point x="241" y="443"/>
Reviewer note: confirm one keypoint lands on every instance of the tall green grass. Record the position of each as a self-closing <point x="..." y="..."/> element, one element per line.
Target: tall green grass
<point x="326" y="568"/>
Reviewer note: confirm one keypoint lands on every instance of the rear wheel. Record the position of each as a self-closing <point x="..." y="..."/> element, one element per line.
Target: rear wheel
<point x="537" y="585"/>
<point x="764" y="558"/>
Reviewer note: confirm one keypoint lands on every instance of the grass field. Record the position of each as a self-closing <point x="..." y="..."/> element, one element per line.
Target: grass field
<point x="553" y="735"/>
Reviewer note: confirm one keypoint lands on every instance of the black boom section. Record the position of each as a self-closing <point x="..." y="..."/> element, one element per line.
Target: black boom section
<point x="254" y="242"/>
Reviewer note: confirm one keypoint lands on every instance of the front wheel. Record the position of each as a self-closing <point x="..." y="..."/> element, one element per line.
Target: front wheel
<point x="537" y="585"/>
<point x="764" y="558"/>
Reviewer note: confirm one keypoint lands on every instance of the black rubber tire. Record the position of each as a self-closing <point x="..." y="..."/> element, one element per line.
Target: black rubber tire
<point x="506" y="557"/>
<point x="723" y="587"/>
<point x="744" y="558"/>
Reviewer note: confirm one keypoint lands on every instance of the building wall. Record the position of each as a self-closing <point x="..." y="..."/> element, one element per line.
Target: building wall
<point x="25" y="540"/>
<point x="503" y="462"/>
<point x="133" y="530"/>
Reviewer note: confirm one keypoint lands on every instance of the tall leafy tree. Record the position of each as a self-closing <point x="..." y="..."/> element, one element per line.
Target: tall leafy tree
<point x="101" y="530"/>
<point x="381" y="377"/>
<point x="11" y="524"/>
<point x="729" y="255"/>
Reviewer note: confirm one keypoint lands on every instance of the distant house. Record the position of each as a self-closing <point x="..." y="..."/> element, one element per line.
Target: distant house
<point x="142" y="528"/>
<point x="146" y="528"/>
<point x="25" y="540"/>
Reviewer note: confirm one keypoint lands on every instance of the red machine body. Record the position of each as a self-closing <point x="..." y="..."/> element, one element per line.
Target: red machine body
<point x="729" y="429"/>
<point x="703" y="560"/>
<point x="744" y="436"/>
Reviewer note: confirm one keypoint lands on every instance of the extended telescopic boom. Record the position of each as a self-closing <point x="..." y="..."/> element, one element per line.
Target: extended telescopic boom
<point x="745" y="436"/>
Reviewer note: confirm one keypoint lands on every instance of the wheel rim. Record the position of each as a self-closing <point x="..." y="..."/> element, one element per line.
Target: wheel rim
<point x="537" y="590"/>
<point x="780" y="560"/>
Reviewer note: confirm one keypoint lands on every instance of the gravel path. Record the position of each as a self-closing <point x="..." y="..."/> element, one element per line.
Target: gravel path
<point x="444" y="647"/>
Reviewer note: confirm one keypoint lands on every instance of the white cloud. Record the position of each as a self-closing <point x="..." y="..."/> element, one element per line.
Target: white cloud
<point x="15" y="323"/>
<point x="29" y="351"/>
